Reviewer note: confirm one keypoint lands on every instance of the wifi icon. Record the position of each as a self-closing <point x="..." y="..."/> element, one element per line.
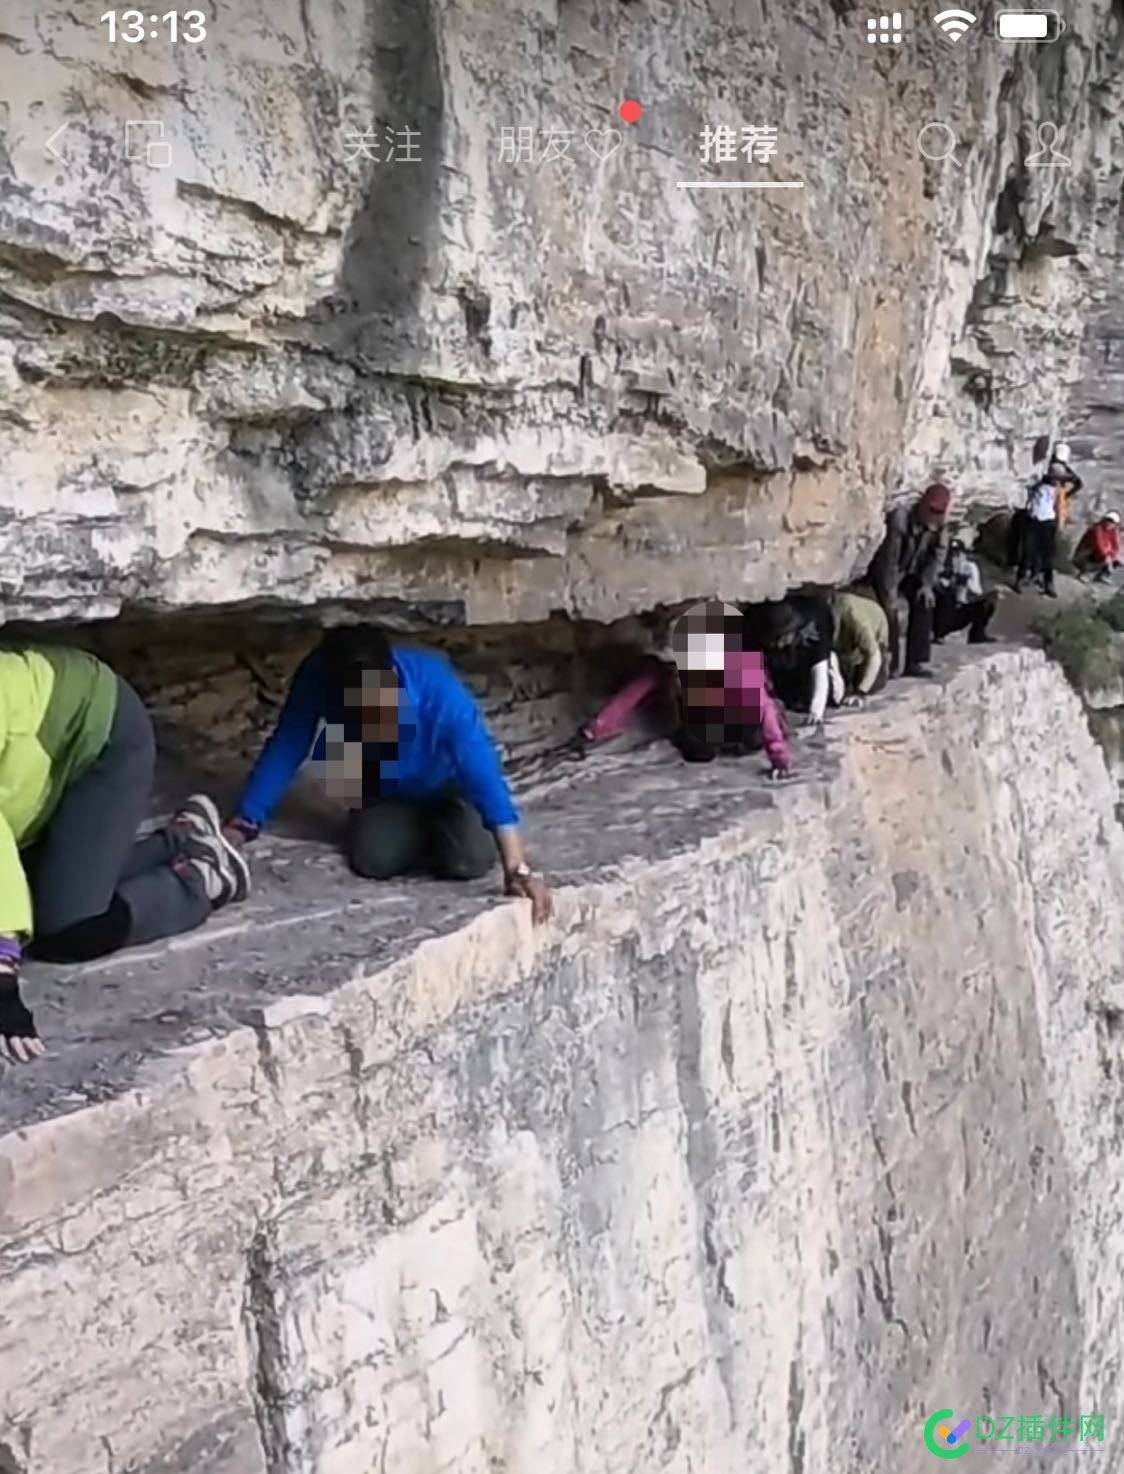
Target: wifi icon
<point x="954" y="22"/>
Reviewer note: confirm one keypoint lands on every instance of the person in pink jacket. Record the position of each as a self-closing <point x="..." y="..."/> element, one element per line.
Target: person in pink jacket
<point x="720" y="690"/>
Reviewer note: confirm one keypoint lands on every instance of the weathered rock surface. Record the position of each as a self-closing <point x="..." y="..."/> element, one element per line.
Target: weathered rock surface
<point x="1098" y="403"/>
<point x="776" y="1141"/>
<point x="281" y="372"/>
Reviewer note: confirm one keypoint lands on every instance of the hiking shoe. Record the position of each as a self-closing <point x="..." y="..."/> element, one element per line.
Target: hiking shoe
<point x="223" y="871"/>
<point x="1050" y="593"/>
<point x="222" y="868"/>
<point x="919" y="672"/>
<point x="200" y="813"/>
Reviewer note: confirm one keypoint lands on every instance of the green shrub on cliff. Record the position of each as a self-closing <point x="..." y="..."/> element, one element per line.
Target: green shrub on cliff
<point x="1113" y="612"/>
<point x="1083" y="642"/>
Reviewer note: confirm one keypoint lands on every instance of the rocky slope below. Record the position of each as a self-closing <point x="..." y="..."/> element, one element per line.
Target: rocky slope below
<point x="770" y="1146"/>
<point x="281" y="372"/>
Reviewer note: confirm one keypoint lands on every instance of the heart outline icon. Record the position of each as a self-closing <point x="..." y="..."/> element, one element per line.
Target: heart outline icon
<point x="608" y="140"/>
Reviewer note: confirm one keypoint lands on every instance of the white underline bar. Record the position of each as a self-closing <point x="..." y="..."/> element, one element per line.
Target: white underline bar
<point x="739" y="184"/>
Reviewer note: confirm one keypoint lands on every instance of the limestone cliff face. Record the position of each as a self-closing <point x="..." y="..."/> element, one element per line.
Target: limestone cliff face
<point x="1097" y="409"/>
<point x="275" y="373"/>
<point x="769" y="1147"/>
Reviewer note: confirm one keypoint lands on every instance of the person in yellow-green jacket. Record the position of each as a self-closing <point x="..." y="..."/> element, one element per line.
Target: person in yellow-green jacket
<point x="77" y="752"/>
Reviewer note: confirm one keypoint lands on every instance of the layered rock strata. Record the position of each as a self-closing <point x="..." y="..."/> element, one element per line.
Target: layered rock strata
<point x="355" y="343"/>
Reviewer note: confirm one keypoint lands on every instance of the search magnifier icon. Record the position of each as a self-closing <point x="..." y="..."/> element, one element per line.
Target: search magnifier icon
<point x="937" y="141"/>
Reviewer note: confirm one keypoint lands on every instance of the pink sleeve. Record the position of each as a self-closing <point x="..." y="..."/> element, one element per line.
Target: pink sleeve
<point x="749" y="672"/>
<point x="613" y="717"/>
<point x="772" y="732"/>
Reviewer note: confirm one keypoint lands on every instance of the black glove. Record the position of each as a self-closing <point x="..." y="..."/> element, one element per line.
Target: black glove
<point x="16" y="1021"/>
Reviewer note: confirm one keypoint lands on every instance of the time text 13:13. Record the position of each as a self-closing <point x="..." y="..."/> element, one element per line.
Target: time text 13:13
<point x="133" y="26"/>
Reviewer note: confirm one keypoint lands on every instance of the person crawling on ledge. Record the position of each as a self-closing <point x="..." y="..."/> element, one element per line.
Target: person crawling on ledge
<point x="726" y="707"/>
<point x="796" y="635"/>
<point x="76" y="764"/>
<point x="398" y="739"/>
<point x="862" y="645"/>
<point x="725" y="702"/>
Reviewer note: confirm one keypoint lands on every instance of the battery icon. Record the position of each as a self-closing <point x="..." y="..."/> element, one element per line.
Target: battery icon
<point x="1029" y="25"/>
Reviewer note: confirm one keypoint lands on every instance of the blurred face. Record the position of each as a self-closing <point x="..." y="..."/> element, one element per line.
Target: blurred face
<point x="372" y="696"/>
<point x="703" y="690"/>
<point x="701" y="639"/>
<point x="931" y="518"/>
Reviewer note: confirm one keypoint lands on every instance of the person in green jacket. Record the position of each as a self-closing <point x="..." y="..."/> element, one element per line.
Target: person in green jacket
<point x="77" y="753"/>
<point x="862" y="645"/>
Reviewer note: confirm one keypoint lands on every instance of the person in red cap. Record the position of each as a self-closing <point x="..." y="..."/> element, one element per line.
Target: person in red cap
<point x="907" y="565"/>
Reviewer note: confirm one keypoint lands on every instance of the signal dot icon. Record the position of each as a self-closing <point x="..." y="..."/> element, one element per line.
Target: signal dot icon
<point x="954" y="23"/>
<point x="884" y="29"/>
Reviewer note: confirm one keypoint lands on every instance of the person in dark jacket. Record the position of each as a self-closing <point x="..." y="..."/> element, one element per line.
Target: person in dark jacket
<point x="961" y="601"/>
<point x="401" y="743"/>
<point x="796" y="635"/>
<point x="907" y="564"/>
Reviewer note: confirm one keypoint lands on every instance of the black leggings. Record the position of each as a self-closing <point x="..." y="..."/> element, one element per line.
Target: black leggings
<point x="1038" y="551"/>
<point x="94" y="886"/>
<point x="443" y="836"/>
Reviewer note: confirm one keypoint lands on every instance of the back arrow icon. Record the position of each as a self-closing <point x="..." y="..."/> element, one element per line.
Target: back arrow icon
<point x="50" y="144"/>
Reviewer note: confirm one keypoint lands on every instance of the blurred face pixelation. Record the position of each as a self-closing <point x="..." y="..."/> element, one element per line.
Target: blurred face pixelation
<point x="367" y="737"/>
<point x="373" y="702"/>
<point x="702" y="641"/>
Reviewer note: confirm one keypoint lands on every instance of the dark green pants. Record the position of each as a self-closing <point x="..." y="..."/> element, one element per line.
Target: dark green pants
<point x="442" y="836"/>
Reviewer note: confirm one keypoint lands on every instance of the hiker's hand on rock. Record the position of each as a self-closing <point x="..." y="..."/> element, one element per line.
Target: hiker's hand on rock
<point x="238" y="832"/>
<point x="926" y="598"/>
<point x="812" y="722"/>
<point x="19" y="1039"/>
<point x="534" y="889"/>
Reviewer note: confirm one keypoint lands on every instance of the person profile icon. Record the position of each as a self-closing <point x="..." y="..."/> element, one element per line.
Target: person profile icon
<point x="1048" y="155"/>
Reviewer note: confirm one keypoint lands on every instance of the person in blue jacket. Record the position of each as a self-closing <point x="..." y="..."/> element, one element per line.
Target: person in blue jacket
<point x="399" y="740"/>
